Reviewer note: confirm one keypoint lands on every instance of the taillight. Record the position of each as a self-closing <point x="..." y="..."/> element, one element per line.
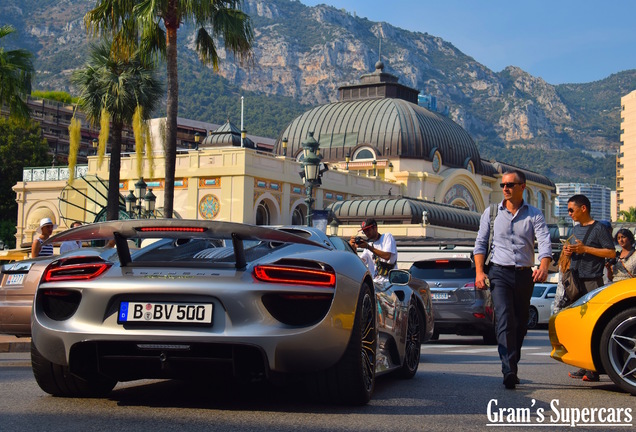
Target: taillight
<point x="75" y="268"/>
<point x="295" y="275"/>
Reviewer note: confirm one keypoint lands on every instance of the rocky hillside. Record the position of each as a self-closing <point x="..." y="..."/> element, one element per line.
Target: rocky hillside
<point x="302" y="54"/>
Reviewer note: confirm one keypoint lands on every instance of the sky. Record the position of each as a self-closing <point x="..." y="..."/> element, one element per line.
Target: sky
<point x="561" y="41"/>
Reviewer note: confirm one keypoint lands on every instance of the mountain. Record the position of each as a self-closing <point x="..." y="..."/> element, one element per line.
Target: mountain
<point x="569" y="132"/>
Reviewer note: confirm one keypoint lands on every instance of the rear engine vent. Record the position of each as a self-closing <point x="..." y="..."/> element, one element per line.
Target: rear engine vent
<point x="59" y="305"/>
<point x="301" y="309"/>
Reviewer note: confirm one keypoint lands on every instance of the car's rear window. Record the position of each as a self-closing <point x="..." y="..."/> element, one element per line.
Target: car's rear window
<point x="443" y="269"/>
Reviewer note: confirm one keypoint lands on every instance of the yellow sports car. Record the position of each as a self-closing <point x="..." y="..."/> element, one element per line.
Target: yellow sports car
<point x="598" y="332"/>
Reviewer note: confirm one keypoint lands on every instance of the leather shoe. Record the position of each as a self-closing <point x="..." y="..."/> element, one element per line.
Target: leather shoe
<point x="510" y="381"/>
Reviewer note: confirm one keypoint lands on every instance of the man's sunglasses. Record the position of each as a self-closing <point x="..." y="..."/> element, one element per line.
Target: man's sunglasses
<point x="508" y="185"/>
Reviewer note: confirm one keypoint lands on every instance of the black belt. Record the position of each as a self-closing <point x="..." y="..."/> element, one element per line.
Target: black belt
<point x="511" y="267"/>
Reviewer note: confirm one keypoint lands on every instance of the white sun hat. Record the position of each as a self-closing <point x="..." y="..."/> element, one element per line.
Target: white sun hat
<point x="43" y="222"/>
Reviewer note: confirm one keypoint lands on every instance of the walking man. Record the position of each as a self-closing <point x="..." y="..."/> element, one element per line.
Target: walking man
<point x="510" y="276"/>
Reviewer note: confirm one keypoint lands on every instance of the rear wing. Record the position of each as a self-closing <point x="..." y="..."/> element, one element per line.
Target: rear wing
<point x="122" y="231"/>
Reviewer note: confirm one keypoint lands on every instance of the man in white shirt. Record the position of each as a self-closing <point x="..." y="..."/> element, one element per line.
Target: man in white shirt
<point x="68" y="246"/>
<point x="380" y="252"/>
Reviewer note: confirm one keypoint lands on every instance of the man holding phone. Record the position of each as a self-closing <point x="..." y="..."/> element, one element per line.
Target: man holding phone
<point x="380" y="252"/>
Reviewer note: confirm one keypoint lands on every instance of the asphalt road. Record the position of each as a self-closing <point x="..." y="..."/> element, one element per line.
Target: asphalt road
<point x="458" y="387"/>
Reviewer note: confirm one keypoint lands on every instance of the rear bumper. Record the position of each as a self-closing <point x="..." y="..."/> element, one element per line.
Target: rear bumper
<point x="472" y="319"/>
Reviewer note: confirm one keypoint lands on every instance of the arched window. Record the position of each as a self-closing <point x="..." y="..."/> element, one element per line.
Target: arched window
<point x="298" y="216"/>
<point x="364" y="154"/>
<point x="262" y="214"/>
<point x="541" y="202"/>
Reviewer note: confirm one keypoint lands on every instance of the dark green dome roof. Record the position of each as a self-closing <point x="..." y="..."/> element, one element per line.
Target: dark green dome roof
<point x="392" y="127"/>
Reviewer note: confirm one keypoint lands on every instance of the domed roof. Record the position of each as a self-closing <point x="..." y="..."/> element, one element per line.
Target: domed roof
<point x="399" y="209"/>
<point x="393" y="127"/>
<point x="383" y="114"/>
<point x="226" y="135"/>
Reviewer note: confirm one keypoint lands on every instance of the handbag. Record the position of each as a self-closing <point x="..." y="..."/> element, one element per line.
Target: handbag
<point x="572" y="287"/>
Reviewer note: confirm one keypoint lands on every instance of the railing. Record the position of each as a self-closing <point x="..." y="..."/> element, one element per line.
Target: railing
<point x="53" y="173"/>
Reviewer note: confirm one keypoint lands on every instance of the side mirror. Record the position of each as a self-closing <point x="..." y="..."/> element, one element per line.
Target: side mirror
<point x="399" y="277"/>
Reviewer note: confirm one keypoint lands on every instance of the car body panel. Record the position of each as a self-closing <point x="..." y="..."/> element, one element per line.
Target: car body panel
<point x="19" y="281"/>
<point x="575" y="331"/>
<point x="225" y="277"/>
<point x="459" y="308"/>
<point x="16" y="299"/>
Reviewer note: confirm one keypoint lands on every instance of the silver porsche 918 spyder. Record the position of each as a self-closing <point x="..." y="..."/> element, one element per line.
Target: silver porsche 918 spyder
<point x="199" y="299"/>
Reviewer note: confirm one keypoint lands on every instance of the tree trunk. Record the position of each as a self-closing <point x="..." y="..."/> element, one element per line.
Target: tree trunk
<point x="112" y="205"/>
<point x="172" y="105"/>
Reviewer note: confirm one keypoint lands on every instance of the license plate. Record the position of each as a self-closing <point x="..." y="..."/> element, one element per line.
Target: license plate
<point x="439" y="296"/>
<point x="15" y="279"/>
<point x="191" y="313"/>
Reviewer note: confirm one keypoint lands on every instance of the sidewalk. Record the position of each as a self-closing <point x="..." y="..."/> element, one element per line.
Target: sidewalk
<point x="14" y="344"/>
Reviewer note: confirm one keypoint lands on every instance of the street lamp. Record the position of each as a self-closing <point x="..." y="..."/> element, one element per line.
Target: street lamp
<point x="197" y="139"/>
<point x="347" y="160"/>
<point x="375" y="167"/>
<point x="95" y="145"/>
<point x="150" y="200"/>
<point x="311" y="171"/>
<point x="141" y="205"/>
<point x="285" y="146"/>
<point x="243" y="136"/>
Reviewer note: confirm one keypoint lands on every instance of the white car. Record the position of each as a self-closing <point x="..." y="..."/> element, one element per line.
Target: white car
<point x="541" y="304"/>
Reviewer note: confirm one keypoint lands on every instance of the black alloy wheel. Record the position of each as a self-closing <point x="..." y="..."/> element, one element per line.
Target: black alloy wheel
<point x="413" y="343"/>
<point x="618" y="350"/>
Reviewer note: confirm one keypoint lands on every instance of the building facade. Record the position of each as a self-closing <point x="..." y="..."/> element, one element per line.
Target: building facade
<point x="626" y="160"/>
<point x="600" y="198"/>
<point x="376" y="141"/>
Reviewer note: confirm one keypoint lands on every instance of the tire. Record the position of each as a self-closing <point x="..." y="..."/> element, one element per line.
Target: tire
<point x="58" y="381"/>
<point x="533" y="318"/>
<point x="618" y="342"/>
<point x="351" y="381"/>
<point x="413" y="343"/>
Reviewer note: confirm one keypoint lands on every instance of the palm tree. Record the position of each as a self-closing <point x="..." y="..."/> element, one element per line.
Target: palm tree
<point x="115" y="88"/>
<point x="627" y="215"/>
<point x="144" y="21"/>
<point x="16" y="70"/>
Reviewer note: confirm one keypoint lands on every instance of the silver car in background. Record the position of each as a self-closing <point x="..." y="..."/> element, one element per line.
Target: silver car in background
<point x="459" y="308"/>
<point x="213" y="299"/>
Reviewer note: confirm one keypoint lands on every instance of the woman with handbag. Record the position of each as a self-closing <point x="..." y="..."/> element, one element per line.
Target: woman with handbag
<point x="624" y="265"/>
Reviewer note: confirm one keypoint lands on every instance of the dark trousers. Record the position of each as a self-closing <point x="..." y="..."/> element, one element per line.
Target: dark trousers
<point x="511" y="290"/>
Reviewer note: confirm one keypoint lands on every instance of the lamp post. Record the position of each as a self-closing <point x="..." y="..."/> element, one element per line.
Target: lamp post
<point x="311" y="171"/>
<point x="285" y="146"/>
<point x="243" y="136"/>
<point x="141" y="205"/>
<point x="95" y="145"/>
<point x="347" y="160"/>
<point x="197" y="139"/>
<point x="375" y="168"/>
